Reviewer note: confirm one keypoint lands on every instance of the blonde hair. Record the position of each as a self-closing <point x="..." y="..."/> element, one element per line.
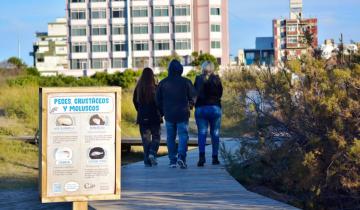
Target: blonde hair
<point x="207" y="68"/>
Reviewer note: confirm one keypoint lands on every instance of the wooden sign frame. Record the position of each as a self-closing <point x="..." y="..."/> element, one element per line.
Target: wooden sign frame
<point x="43" y="120"/>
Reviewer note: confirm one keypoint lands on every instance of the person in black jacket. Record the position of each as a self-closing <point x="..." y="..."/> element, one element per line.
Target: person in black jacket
<point x="208" y="110"/>
<point x="175" y="97"/>
<point x="148" y="117"/>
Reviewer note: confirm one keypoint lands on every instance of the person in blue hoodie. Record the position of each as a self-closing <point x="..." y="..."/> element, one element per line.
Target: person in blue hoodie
<point x="175" y="97"/>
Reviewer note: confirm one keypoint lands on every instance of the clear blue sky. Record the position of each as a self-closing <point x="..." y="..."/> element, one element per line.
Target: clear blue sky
<point x="20" y="19"/>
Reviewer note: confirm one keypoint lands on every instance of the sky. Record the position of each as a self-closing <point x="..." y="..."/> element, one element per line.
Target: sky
<point x="20" y="19"/>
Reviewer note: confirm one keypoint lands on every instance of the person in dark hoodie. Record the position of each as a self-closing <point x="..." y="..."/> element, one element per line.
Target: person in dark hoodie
<point x="208" y="110"/>
<point x="148" y="117"/>
<point x="175" y="97"/>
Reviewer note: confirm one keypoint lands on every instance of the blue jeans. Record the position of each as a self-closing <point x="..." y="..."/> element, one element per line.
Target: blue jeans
<point x="205" y="116"/>
<point x="182" y="130"/>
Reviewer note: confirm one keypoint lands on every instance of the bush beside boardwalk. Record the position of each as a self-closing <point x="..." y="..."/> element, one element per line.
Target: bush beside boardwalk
<point x="306" y="118"/>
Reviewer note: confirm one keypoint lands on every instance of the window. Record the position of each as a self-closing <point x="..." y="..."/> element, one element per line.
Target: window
<point x="78" y="31"/>
<point x="119" y="46"/>
<point x="118" y="13"/>
<point x="139" y="12"/>
<point x="79" y="47"/>
<point x="215" y="45"/>
<point x="291" y="28"/>
<point x="215" y="28"/>
<point x="184" y="44"/>
<point x="78" y="64"/>
<point x="162" y="45"/>
<point x="141" y="62"/>
<point x="161" y="11"/>
<point x="292" y="40"/>
<point x="161" y="28"/>
<point x="99" y="47"/>
<point x="140" y="29"/>
<point x="140" y="46"/>
<point x="98" y="14"/>
<point x="119" y="62"/>
<point x="99" y="30"/>
<point x="182" y="27"/>
<point x="77" y="1"/>
<point x="182" y="10"/>
<point x="215" y="11"/>
<point x="99" y="63"/>
<point x="118" y="29"/>
<point x="98" y="0"/>
<point x="78" y="14"/>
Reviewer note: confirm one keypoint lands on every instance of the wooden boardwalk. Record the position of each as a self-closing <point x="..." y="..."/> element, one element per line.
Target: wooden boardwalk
<point x="160" y="187"/>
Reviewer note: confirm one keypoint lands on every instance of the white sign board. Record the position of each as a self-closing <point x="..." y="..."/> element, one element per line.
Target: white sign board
<point x="80" y="144"/>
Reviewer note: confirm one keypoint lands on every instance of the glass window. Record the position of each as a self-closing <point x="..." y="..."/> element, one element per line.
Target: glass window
<point x="162" y="45"/>
<point x="161" y="11"/>
<point x="183" y="44"/>
<point x="119" y="63"/>
<point x="118" y="29"/>
<point x="99" y="47"/>
<point x="141" y="46"/>
<point x="118" y="13"/>
<point x="98" y="14"/>
<point x="215" y="27"/>
<point x="119" y="46"/>
<point x="215" y="11"/>
<point x="182" y="10"/>
<point x="140" y="29"/>
<point x="182" y="27"/>
<point x="99" y="30"/>
<point x="161" y="28"/>
<point x="99" y="63"/>
<point x="78" y="14"/>
<point x="78" y="31"/>
<point x="215" y="44"/>
<point x="139" y="12"/>
<point x="79" y="47"/>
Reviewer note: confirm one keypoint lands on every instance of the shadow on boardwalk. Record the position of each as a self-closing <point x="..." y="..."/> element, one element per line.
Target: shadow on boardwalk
<point x="210" y="187"/>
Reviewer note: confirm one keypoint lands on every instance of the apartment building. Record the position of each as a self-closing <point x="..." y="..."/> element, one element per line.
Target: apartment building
<point x="289" y="34"/>
<point x="50" y="51"/>
<point x="113" y="35"/>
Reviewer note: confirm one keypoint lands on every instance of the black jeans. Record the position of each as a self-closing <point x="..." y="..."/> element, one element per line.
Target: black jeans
<point x="150" y="136"/>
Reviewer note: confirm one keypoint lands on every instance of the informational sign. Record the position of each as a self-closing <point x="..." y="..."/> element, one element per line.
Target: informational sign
<point x="80" y="144"/>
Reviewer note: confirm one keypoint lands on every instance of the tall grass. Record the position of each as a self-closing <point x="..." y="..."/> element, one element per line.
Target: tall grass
<point x="20" y="105"/>
<point x="128" y="114"/>
<point x="18" y="163"/>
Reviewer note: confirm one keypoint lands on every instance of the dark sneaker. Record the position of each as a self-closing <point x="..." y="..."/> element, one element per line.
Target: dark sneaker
<point x="153" y="160"/>
<point x="182" y="164"/>
<point x="215" y="160"/>
<point x="202" y="160"/>
<point x="172" y="165"/>
<point x="147" y="165"/>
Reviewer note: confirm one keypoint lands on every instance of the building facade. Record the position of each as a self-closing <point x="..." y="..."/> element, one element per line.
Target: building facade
<point x="50" y="51"/>
<point x="290" y="34"/>
<point x="114" y="35"/>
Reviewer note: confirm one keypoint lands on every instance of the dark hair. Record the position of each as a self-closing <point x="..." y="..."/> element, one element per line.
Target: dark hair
<point x="146" y="87"/>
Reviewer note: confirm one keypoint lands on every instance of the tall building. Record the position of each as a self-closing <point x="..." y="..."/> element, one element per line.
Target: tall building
<point x="50" y="49"/>
<point x="289" y="34"/>
<point x="114" y="35"/>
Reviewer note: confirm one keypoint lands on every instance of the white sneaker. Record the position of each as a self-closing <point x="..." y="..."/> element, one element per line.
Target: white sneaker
<point x="172" y="165"/>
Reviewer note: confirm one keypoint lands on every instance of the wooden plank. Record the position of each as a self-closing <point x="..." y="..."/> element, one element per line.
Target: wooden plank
<point x="118" y="144"/>
<point x="161" y="187"/>
<point x="80" y="206"/>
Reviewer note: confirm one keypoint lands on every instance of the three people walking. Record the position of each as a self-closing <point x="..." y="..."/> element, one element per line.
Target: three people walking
<point x="174" y="98"/>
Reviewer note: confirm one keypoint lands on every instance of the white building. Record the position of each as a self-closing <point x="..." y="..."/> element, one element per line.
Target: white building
<point x="329" y="49"/>
<point x="50" y="50"/>
<point x="115" y="35"/>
